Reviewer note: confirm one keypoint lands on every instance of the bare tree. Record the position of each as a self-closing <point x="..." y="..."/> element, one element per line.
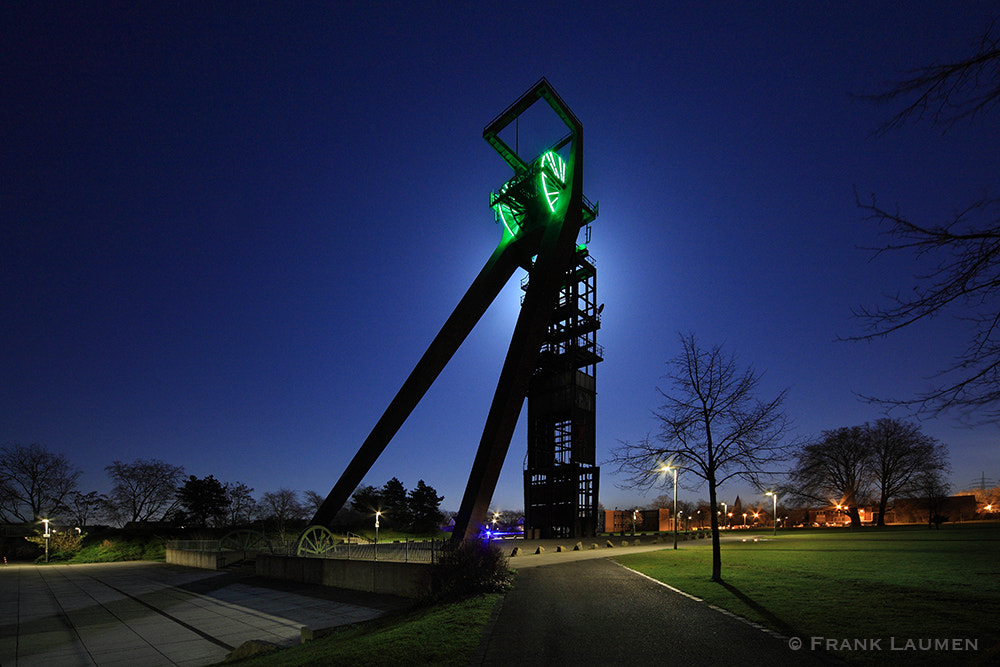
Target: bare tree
<point x="900" y="455"/>
<point x="931" y="488"/>
<point x="242" y="507"/>
<point x="314" y="500"/>
<point x="965" y="249"/>
<point x="836" y="469"/>
<point x="85" y="509"/>
<point x="34" y="482"/>
<point x="712" y="426"/>
<point x="282" y="507"/>
<point x="144" y="490"/>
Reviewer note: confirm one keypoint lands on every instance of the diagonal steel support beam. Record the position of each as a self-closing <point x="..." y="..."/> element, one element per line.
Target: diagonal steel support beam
<point x="484" y="289"/>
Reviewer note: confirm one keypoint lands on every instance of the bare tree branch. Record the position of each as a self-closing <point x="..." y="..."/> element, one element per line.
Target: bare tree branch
<point x="964" y="283"/>
<point x="947" y="93"/>
<point x="964" y="280"/>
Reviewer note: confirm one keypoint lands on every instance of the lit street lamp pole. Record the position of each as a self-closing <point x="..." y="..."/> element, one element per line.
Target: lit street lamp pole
<point x="674" y="470"/>
<point x="725" y="512"/>
<point x="377" y="515"/>
<point x="47" y="535"/>
<point x="774" y="516"/>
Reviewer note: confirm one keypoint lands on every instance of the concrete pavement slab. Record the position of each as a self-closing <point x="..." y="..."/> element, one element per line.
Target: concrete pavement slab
<point x="146" y="613"/>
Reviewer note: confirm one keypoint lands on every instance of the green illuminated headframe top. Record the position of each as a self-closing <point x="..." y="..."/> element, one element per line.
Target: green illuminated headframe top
<point x="533" y="193"/>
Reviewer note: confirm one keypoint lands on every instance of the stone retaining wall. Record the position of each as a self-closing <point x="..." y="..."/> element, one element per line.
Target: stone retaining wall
<point x="410" y="580"/>
<point x="206" y="560"/>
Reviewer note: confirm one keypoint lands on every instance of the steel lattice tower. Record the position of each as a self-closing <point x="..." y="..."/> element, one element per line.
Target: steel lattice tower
<point x="561" y="479"/>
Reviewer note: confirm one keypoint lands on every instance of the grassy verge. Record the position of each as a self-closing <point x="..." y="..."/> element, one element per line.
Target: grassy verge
<point x="444" y="634"/>
<point x="906" y="583"/>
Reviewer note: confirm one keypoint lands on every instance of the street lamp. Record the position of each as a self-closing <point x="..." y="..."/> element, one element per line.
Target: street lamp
<point x="492" y="531"/>
<point x="774" y="516"/>
<point x="378" y="514"/>
<point x="725" y="511"/>
<point x="47" y="535"/>
<point x="744" y="519"/>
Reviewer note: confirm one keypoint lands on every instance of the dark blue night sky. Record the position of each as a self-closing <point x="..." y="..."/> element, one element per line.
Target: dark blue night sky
<point x="229" y="230"/>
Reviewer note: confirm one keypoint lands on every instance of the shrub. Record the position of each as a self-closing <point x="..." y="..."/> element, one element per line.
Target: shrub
<point x="63" y="545"/>
<point x="120" y="549"/>
<point x="469" y="568"/>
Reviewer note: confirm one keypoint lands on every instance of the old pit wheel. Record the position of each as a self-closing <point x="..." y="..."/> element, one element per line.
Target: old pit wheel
<point x="244" y="539"/>
<point x="316" y="541"/>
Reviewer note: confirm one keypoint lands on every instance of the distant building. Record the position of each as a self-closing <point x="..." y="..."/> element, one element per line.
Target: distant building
<point x="639" y="521"/>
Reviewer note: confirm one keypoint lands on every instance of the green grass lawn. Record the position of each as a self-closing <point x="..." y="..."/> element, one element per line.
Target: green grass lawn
<point x="444" y="634"/>
<point x="902" y="582"/>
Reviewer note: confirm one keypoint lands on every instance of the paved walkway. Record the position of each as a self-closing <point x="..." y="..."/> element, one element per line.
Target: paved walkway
<point x="152" y="614"/>
<point x="579" y="608"/>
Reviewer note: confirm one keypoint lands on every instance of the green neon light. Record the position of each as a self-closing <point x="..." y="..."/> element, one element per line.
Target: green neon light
<point x="551" y="196"/>
<point x="505" y="213"/>
<point x="553" y="172"/>
<point x="509" y="205"/>
<point x="509" y="225"/>
<point x="554" y="162"/>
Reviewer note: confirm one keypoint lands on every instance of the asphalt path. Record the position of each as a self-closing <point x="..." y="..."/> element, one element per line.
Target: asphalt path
<point x="596" y="612"/>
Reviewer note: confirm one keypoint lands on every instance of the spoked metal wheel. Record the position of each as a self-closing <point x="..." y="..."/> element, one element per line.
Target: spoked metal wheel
<point x="244" y="539"/>
<point x="316" y="541"/>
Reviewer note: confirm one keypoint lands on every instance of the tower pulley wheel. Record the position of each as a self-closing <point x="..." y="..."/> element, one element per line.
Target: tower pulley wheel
<point x="316" y="541"/>
<point x="244" y="539"/>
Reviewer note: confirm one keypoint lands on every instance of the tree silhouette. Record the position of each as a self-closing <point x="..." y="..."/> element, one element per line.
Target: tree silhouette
<point x="712" y="426"/>
<point x="34" y="482"/>
<point x="144" y="490"/>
